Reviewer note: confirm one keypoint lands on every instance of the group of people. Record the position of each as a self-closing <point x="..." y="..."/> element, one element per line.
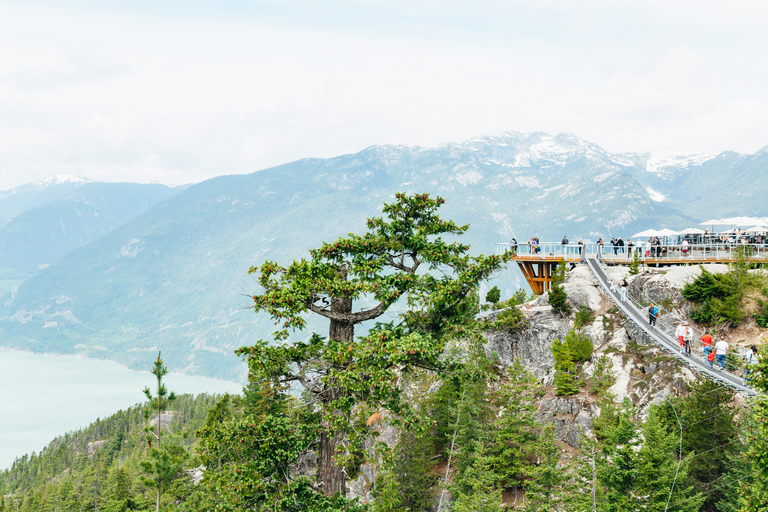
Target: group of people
<point x="713" y="354"/>
<point x="652" y="247"/>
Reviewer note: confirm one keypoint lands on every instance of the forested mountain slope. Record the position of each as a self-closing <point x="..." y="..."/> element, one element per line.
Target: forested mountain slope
<point x="175" y="277"/>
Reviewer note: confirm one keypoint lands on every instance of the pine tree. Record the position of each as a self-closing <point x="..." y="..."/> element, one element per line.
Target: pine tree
<point x="661" y="475"/>
<point x="163" y="465"/>
<point x="558" y="299"/>
<point x="516" y="429"/>
<point x="754" y="493"/>
<point x="383" y="265"/>
<point x="474" y="490"/>
<point x="493" y="296"/>
<point x="547" y="483"/>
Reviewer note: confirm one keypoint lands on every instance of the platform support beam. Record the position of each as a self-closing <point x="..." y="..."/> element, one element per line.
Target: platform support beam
<point x="538" y="274"/>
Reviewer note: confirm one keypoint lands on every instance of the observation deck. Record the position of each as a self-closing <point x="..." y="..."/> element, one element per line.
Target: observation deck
<point x="538" y="261"/>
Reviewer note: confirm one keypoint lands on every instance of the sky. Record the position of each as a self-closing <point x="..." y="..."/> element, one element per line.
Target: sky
<point x="183" y="90"/>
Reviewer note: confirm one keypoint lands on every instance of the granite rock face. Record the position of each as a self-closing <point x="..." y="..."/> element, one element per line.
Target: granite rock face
<point x="532" y="344"/>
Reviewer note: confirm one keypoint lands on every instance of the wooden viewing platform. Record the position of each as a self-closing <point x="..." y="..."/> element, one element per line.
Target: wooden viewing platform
<point x="538" y="262"/>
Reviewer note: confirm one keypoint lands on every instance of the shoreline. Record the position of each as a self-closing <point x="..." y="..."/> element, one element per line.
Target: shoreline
<point x="121" y="365"/>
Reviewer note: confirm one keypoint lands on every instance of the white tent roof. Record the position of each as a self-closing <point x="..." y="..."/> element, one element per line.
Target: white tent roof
<point x="757" y="229"/>
<point x="647" y="232"/>
<point x="692" y="231"/>
<point x="736" y="221"/>
<point x="667" y="232"/>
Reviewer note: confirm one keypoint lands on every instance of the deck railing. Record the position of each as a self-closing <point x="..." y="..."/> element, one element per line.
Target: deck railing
<point x="651" y="254"/>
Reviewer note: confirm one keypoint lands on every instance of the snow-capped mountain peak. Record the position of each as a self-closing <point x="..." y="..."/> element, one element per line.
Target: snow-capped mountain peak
<point x="59" y="179"/>
<point x="659" y="162"/>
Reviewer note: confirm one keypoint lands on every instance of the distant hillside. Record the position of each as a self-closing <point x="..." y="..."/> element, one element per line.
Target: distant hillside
<point x="175" y="276"/>
<point x="41" y="235"/>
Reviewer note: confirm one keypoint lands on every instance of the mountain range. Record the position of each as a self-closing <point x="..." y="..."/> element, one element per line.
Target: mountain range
<point x="170" y="272"/>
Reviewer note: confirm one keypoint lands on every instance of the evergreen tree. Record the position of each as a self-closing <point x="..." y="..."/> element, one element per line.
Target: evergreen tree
<point x="711" y="434"/>
<point x="493" y="296"/>
<point x="558" y="299"/>
<point x="340" y="371"/>
<point x="474" y="490"/>
<point x="547" y="487"/>
<point x="661" y="475"/>
<point x="754" y="492"/>
<point x="572" y="351"/>
<point x="164" y="465"/>
<point x="516" y="429"/>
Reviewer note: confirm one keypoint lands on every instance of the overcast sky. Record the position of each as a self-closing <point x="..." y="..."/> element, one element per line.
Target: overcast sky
<point x="153" y="90"/>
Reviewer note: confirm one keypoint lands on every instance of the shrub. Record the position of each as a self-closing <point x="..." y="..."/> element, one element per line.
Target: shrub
<point x="634" y="265"/>
<point x="584" y="316"/>
<point x="510" y="319"/>
<point x="761" y="315"/>
<point x="717" y="297"/>
<point x="493" y="296"/>
<point x="558" y="299"/>
<point x="603" y="376"/>
<point x="575" y="348"/>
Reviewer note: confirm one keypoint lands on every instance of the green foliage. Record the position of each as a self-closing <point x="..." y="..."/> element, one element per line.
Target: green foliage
<point x="558" y="299"/>
<point x="548" y="488"/>
<point x="603" y="376"/>
<point x="493" y="296"/>
<point x="575" y="348"/>
<point x="711" y="435"/>
<point x="754" y="494"/>
<point x="474" y="491"/>
<point x="516" y="429"/>
<point x="584" y="316"/>
<point x="164" y="465"/>
<point x="341" y="372"/>
<point x="634" y="265"/>
<point x="761" y="313"/>
<point x="719" y="297"/>
<point x="510" y="319"/>
<point x="64" y="477"/>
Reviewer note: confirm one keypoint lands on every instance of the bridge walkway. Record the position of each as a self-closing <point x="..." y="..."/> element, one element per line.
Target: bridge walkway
<point x="663" y="334"/>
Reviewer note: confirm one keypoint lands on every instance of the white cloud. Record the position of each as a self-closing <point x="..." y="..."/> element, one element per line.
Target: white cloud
<point x="183" y="93"/>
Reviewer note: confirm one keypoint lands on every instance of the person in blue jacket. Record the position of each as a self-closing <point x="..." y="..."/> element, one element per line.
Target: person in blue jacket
<point x="653" y="314"/>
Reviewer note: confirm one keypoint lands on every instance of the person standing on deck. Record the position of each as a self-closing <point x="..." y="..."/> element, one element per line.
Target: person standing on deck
<point x="685" y="247"/>
<point x="620" y="244"/>
<point x="630" y="245"/>
<point x="721" y="349"/>
<point x="706" y="346"/>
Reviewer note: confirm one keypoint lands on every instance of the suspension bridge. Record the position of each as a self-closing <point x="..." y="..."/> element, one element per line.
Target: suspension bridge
<point x="538" y="262"/>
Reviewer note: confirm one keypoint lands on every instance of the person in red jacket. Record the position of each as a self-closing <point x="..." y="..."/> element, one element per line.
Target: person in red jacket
<point x="706" y="346"/>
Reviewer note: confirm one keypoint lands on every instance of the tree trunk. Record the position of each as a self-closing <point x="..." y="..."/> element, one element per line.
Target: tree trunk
<point x="329" y="474"/>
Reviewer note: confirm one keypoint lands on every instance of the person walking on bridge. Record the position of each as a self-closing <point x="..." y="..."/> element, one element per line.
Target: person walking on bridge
<point x="721" y="349"/>
<point x="624" y="285"/>
<point x="751" y="359"/>
<point x="684" y="337"/>
<point x="653" y="314"/>
<point x="706" y="346"/>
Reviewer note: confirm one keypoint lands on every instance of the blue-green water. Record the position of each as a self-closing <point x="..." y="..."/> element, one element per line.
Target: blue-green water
<point x="43" y="396"/>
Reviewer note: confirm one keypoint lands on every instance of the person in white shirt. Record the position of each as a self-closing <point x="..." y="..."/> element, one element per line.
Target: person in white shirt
<point x="721" y="349"/>
<point x="685" y="247"/>
<point x="752" y="358"/>
<point x="684" y="336"/>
